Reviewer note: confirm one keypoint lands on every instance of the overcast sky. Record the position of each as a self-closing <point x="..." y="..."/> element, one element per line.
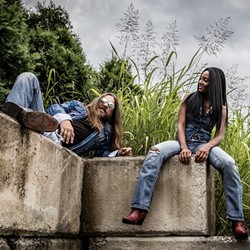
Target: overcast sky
<point x="94" y="21"/>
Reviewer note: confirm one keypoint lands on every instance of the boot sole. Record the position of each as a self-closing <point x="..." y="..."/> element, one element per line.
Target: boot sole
<point x="34" y="120"/>
<point x="127" y="221"/>
<point x="39" y="122"/>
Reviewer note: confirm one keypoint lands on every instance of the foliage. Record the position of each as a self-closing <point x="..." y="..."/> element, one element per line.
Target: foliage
<point x="128" y="28"/>
<point x="54" y="46"/>
<point x="14" y="45"/>
<point x="236" y="87"/>
<point x="42" y="41"/>
<point x="236" y="143"/>
<point x="170" y="41"/>
<point x="145" y="45"/>
<point x="115" y="74"/>
<point x="150" y="117"/>
<point x="213" y="41"/>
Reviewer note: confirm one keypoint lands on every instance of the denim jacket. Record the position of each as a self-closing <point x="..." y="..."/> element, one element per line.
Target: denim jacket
<point x="97" y="142"/>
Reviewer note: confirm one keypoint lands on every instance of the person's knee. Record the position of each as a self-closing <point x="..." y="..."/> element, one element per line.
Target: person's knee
<point x="28" y="75"/>
<point x="230" y="166"/>
<point x="28" y="78"/>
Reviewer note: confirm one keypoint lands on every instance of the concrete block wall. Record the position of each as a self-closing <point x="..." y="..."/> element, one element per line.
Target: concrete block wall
<point x="40" y="184"/>
<point x="183" y="202"/>
<point x="52" y="199"/>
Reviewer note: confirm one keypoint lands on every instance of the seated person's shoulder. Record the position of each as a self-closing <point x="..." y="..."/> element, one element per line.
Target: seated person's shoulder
<point x="185" y="96"/>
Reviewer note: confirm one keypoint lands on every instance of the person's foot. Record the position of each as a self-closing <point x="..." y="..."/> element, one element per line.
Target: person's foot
<point x="136" y="217"/>
<point x="34" y="120"/>
<point x="239" y="230"/>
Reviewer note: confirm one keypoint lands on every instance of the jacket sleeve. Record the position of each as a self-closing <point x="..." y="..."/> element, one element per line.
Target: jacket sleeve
<point x="71" y="107"/>
<point x="66" y="110"/>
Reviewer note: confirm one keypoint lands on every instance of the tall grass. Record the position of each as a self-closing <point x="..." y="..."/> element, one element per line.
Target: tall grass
<point x="236" y="143"/>
<point x="150" y="117"/>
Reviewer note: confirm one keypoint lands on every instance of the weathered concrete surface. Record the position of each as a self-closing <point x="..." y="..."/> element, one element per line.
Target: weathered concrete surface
<point x="40" y="183"/>
<point x="183" y="202"/>
<point x="4" y="244"/>
<point x="168" y="243"/>
<point x="46" y="244"/>
<point x="41" y="244"/>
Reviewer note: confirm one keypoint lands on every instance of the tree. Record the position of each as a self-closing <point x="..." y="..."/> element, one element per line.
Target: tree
<point x="54" y="45"/>
<point x="14" y="44"/>
<point x="115" y="75"/>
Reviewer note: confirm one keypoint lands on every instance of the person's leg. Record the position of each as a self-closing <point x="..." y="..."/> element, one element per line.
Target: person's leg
<point x="147" y="179"/>
<point x="149" y="172"/>
<point x="232" y="187"/>
<point x="25" y="104"/>
<point x="225" y="164"/>
<point x="26" y="92"/>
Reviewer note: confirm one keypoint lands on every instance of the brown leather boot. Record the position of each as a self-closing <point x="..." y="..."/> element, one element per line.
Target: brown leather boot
<point x="239" y="230"/>
<point x="36" y="121"/>
<point x="136" y="217"/>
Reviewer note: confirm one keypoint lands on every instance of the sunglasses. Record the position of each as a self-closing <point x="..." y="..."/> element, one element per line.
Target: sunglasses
<point x="104" y="100"/>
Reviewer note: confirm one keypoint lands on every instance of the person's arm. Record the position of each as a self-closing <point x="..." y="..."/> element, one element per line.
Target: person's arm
<point x="69" y="107"/>
<point x="181" y="124"/>
<point x="185" y="154"/>
<point x="202" y="154"/>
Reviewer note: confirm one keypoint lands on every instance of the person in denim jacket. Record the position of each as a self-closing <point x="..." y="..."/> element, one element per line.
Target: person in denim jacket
<point x="94" y="129"/>
<point x="198" y="114"/>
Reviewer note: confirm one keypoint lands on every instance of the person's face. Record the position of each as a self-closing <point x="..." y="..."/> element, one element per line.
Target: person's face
<point x="204" y="82"/>
<point x="106" y="106"/>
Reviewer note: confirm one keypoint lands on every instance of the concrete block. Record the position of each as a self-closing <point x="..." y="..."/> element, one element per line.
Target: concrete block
<point x="41" y="183"/>
<point x="47" y="244"/>
<point x="183" y="202"/>
<point x="168" y="243"/>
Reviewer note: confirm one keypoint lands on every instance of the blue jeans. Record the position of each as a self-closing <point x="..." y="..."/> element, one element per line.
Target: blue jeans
<point x="26" y="92"/>
<point x="219" y="159"/>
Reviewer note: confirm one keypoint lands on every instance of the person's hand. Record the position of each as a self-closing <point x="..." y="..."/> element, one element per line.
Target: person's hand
<point x="125" y="152"/>
<point x="185" y="156"/>
<point x="202" y="154"/>
<point x="67" y="131"/>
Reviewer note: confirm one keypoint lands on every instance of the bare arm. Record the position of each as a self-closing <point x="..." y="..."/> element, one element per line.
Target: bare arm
<point x="181" y="126"/>
<point x="185" y="154"/>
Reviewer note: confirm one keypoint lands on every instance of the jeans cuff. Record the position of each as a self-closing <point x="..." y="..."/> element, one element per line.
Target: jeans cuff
<point x="139" y="207"/>
<point x="235" y="218"/>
